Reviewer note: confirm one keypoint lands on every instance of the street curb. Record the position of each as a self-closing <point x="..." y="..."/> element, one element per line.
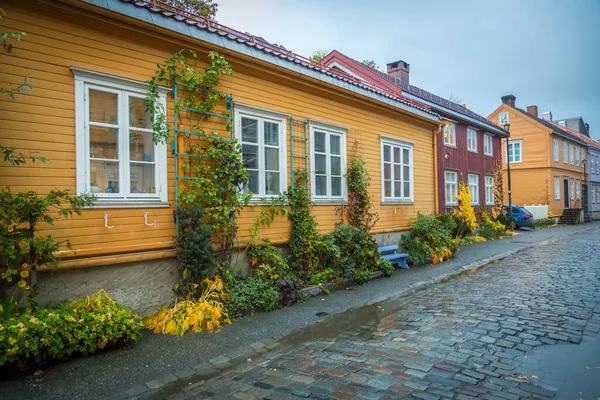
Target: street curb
<point x="209" y="369"/>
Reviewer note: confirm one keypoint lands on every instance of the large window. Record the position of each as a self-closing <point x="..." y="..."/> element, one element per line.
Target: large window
<point x="577" y="155"/>
<point x="578" y="189"/>
<point x="515" y="151"/>
<point x="487" y="145"/>
<point x="474" y="188"/>
<point x="572" y="181"/>
<point x="450" y="135"/>
<point x="397" y="170"/>
<point x="489" y="190"/>
<point x="556" y="188"/>
<point x="451" y="187"/>
<point x="571" y="154"/>
<point x="263" y="138"/>
<point x="556" y="156"/>
<point x="472" y="140"/>
<point x="565" y="152"/>
<point x="328" y="162"/>
<point x="116" y="157"/>
<point x="597" y="165"/>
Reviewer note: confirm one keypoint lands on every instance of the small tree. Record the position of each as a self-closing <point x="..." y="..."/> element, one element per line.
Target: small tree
<point x="319" y="55"/>
<point x="203" y="8"/>
<point x="498" y="208"/>
<point x="371" y="64"/>
<point x="464" y="214"/>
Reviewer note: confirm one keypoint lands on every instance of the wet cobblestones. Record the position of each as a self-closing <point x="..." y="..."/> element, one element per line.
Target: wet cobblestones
<point x="464" y="339"/>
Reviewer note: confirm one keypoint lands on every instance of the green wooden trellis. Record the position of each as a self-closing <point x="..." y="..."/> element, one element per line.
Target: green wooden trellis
<point x="299" y="140"/>
<point x="180" y="154"/>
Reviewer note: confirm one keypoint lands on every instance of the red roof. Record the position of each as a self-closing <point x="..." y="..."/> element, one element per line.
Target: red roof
<point x="591" y="142"/>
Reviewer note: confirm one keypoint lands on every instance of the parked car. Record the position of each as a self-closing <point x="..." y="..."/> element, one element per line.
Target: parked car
<point x="521" y="217"/>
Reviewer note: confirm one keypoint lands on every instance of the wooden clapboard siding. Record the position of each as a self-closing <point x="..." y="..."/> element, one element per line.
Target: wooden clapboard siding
<point x="60" y="38"/>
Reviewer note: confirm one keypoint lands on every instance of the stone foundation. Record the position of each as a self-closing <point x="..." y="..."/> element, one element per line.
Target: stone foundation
<point x="143" y="286"/>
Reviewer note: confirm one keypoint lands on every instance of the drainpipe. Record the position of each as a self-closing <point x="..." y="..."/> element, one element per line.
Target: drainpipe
<point x="436" y="190"/>
<point x="506" y="128"/>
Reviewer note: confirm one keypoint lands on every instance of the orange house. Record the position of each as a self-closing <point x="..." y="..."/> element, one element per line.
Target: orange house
<point x="546" y="159"/>
<point x="91" y="61"/>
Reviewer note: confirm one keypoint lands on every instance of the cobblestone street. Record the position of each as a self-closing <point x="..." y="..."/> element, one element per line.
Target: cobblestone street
<point x="489" y="334"/>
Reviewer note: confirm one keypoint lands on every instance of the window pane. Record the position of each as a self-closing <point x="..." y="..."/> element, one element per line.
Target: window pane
<point x="250" y="156"/>
<point x="334" y="143"/>
<point x="321" y="185"/>
<point x="406" y="156"/>
<point x="397" y="189"/>
<point x="142" y="178"/>
<point x="104" y="143"/>
<point x="103" y="107"/>
<point x="336" y="186"/>
<point x="406" y="189"/>
<point x="138" y="117"/>
<point x="271" y="159"/>
<point x="271" y="134"/>
<point x="336" y="165"/>
<point x="249" y="130"/>
<point x="272" y="183"/>
<point x="320" y="142"/>
<point x="252" y="185"/>
<point x="104" y="177"/>
<point x="320" y="164"/>
<point x="406" y="173"/>
<point x="387" y="171"/>
<point x="141" y="146"/>
<point x="397" y="155"/>
<point x="388" y="188"/>
<point x="397" y="172"/>
<point x="386" y="153"/>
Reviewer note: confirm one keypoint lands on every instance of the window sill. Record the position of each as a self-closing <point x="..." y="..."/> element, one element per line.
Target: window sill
<point x="130" y="204"/>
<point x="451" y="204"/>
<point x="472" y="151"/>
<point x="397" y="202"/>
<point x="450" y="145"/>
<point x="488" y="154"/>
<point x="329" y="202"/>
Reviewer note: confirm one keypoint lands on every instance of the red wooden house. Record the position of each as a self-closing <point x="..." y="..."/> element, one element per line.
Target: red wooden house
<point x="466" y="150"/>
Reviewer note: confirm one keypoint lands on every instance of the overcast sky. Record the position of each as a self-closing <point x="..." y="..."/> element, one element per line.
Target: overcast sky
<point x="546" y="53"/>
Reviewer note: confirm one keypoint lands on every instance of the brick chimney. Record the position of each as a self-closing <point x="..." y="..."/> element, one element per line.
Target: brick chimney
<point x="509" y="99"/>
<point x="533" y="110"/>
<point x="399" y="70"/>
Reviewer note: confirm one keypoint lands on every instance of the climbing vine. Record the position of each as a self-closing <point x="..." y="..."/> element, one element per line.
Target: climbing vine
<point x="358" y="210"/>
<point x="186" y="67"/>
<point x="498" y="208"/>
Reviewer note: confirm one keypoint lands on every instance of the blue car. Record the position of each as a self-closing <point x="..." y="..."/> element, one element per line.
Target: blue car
<point x="521" y="217"/>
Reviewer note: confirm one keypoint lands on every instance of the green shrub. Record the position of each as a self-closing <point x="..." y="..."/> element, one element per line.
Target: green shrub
<point x="80" y="327"/>
<point x="326" y="276"/>
<point x="387" y="267"/>
<point x="358" y="252"/>
<point x="247" y="296"/>
<point x="431" y="237"/>
<point x="489" y="229"/>
<point x="543" y="223"/>
<point x="266" y="257"/>
<point x="195" y="253"/>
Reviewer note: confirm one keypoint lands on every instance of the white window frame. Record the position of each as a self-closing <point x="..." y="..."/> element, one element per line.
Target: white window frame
<point x="571" y="154"/>
<point x="474" y="193"/>
<point x="124" y="88"/>
<point x="262" y="115"/>
<point x="503" y="118"/>
<point x="513" y="143"/>
<point x="488" y="145"/>
<point x="565" y="152"/>
<point x="578" y="189"/>
<point x="472" y="140"/>
<point x="577" y="155"/>
<point x="556" y="188"/>
<point x="454" y="183"/>
<point x="556" y="155"/>
<point x="328" y="130"/>
<point x="489" y="190"/>
<point x="402" y="145"/>
<point x="597" y="165"/>
<point x="450" y="135"/>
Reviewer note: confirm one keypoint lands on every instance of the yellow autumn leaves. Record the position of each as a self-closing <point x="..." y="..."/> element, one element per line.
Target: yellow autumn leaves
<point x="190" y="314"/>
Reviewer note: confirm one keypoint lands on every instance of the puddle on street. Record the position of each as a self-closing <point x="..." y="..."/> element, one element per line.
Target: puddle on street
<point x="572" y="369"/>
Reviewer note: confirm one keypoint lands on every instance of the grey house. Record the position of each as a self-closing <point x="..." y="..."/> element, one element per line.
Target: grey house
<point x="592" y="186"/>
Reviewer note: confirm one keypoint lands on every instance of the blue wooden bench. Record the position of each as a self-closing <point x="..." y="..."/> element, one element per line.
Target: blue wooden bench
<point x="390" y="253"/>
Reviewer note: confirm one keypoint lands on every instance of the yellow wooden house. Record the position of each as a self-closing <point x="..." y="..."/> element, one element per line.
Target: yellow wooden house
<point x="91" y="61"/>
<point x="546" y="159"/>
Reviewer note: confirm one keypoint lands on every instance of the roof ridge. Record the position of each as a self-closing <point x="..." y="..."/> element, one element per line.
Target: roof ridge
<point x="554" y="126"/>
